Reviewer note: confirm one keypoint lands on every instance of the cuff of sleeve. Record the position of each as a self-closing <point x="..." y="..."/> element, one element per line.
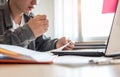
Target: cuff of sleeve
<point x="55" y="42"/>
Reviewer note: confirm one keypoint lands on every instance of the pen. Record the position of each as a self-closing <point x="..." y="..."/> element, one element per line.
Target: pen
<point x="99" y="62"/>
<point x="61" y="48"/>
<point x="105" y="62"/>
<point x="64" y="45"/>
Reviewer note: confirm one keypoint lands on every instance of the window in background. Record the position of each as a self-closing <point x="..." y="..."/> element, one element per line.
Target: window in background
<point x="82" y="20"/>
<point x="66" y="22"/>
<point x="95" y="25"/>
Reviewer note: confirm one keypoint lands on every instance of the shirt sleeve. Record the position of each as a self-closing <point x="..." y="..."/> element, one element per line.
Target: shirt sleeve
<point x="44" y="43"/>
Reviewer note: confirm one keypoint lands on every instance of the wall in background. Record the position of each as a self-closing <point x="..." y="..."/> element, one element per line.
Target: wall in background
<point x="46" y="7"/>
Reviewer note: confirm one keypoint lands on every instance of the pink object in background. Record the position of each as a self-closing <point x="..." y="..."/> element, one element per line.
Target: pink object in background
<point x="109" y="6"/>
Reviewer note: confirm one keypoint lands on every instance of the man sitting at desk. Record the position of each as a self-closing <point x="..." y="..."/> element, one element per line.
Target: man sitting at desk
<point x="17" y="27"/>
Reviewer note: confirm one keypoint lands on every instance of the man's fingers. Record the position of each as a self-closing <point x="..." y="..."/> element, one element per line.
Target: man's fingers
<point x="39" y="24"/>
<point x="41" y="17"/>
<point x="45" y="22"/>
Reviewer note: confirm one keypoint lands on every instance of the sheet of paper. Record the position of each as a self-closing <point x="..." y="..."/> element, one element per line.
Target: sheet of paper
<point x="79" y="60"/>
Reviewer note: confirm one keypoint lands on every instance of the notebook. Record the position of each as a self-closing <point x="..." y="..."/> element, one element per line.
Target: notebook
<point x="113" y="43"/>
<point x="16" y="54"/>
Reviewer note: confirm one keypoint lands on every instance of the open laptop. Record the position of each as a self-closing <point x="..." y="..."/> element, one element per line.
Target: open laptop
<point x="113" y="43"/>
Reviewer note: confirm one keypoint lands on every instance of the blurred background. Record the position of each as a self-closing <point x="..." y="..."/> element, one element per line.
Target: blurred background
<point x="78" y="20"/>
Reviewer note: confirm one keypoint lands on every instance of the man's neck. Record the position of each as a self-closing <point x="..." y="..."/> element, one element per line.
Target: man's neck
<point x="15" y="13"/>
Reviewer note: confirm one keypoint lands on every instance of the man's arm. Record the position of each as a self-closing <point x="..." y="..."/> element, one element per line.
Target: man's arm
<point x="44" y="43"/>
<point x="20" y="36"/>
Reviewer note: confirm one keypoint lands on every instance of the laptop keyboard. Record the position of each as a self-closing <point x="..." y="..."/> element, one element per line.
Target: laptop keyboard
<point x="90" y="53"/>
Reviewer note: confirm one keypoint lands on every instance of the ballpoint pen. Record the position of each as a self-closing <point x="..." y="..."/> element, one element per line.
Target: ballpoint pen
<point x="105" y="62"/>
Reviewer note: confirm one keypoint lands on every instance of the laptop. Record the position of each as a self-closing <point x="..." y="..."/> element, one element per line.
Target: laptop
<point x="113" y="43"/>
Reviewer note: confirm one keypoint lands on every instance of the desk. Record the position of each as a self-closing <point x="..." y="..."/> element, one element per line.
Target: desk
<point x="52" y="70"/>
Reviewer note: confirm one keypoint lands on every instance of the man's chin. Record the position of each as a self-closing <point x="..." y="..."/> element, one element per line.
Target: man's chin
<point x="27" y="11"/>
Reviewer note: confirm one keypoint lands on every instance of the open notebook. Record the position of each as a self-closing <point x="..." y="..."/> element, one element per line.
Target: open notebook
<point x="113" y="42"/>
<point x="16" y="54"/>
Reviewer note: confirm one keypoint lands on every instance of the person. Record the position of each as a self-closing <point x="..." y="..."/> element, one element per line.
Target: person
<point x="18" y="27"/>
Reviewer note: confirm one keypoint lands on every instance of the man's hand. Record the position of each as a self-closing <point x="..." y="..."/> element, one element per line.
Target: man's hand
<point x="62" y="41"/>
<point x="39" y="25"/>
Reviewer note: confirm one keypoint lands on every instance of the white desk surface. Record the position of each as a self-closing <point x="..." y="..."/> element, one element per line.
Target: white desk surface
<point x="52" y="70"/>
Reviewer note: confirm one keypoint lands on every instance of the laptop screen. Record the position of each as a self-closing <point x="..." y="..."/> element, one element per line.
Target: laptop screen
<point x="113" y="44"/>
